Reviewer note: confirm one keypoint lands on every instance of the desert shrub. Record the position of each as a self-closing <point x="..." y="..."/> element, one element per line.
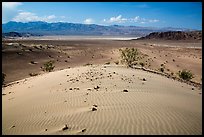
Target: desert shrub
<point x="3" y="77"/>
<point x="185" y="74"/>
<point x="129" y="55"/>
<point x="48" y="66"/>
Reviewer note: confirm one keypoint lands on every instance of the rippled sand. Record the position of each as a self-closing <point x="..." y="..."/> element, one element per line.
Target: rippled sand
<point x="153" y="104"/>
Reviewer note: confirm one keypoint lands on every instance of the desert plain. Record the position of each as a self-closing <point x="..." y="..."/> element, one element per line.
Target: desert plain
<point x="91" y="92"/>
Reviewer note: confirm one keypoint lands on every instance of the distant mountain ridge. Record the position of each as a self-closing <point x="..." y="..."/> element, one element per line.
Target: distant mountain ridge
<point x="61" y="28"/>
<point x="174" y="35"/>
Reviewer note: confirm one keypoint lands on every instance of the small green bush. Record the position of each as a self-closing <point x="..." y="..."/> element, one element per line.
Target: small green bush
<point x="129" y="55"/>
<point x="3" y="77"/>
<point x="48" y="66"/>
<point x="185" y="74"/>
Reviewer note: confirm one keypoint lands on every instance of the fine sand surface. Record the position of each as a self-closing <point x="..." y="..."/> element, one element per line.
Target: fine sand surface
<point x="44" y="104"/>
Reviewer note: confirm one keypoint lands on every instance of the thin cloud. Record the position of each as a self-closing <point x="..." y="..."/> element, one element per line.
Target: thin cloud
<point x="154" y="20"/>
<point x="28" y="16"/>
<point x="142" y="6"/>
<point x="11" y="5"/>
<point x="117" y="19"/>
<point x="136" y="19"/>
<point x="9" y="10"/>
<point x="89" y="21"/>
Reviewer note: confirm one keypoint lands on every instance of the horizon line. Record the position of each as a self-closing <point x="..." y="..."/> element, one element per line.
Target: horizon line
<point x="103" y="24"/>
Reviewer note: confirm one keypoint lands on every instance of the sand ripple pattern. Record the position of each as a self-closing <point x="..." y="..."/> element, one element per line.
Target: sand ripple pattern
<point x="157" y="106"/>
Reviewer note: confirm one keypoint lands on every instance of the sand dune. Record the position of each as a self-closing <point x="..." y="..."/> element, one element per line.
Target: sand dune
<point x="154" y="104"/>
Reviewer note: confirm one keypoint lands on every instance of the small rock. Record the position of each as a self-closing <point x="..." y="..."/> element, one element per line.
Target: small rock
<point x="83" y="130"/>
<point x="13" y="126"/>
<point x="65" y="127"/>
<point x="97" y="87"/>
<point x="70" y="88"/>
<point x="94" y="109"/>
<point x="200" y="93"/>
<point x="3" y="94"/>
<point x="125" y="90"/>
<point x="95" y="105"/>
<point x="46" y="129"/>
<point x="192" y="88"/>
<point x="144" y="79"/>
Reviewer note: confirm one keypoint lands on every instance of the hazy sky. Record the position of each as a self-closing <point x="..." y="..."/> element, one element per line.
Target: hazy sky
<point x="153" y="14"/>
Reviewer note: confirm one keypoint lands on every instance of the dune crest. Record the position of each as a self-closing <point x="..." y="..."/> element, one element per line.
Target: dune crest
<point x="91" y="100"/>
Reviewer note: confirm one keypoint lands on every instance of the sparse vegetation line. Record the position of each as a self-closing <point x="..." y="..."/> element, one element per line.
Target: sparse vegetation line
<point x="169" y="76"/>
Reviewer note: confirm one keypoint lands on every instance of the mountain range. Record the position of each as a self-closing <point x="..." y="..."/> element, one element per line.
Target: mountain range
<point x="62" y="28"/>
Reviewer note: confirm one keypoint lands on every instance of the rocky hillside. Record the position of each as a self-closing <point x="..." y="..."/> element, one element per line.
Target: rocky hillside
<point x="63" y="28"/>
<point x="16" y="34"/>
<point x="175" y="35"/>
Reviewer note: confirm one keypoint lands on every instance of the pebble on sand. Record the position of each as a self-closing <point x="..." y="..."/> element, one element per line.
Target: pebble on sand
<point x="65" y="127"/>
<point x="125" y="90"/>
<point x="95" y="105"/>
<point x="13" y="126"/>
<point x="97" y="87"/>
<point x="83" y="130"/>
<point x="94" y="109"/>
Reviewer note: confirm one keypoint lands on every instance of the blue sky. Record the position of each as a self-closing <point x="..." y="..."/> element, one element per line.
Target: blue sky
<point x="148" y="14"/>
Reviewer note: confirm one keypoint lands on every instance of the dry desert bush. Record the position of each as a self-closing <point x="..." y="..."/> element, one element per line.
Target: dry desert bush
<point x="129" y="56"/>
